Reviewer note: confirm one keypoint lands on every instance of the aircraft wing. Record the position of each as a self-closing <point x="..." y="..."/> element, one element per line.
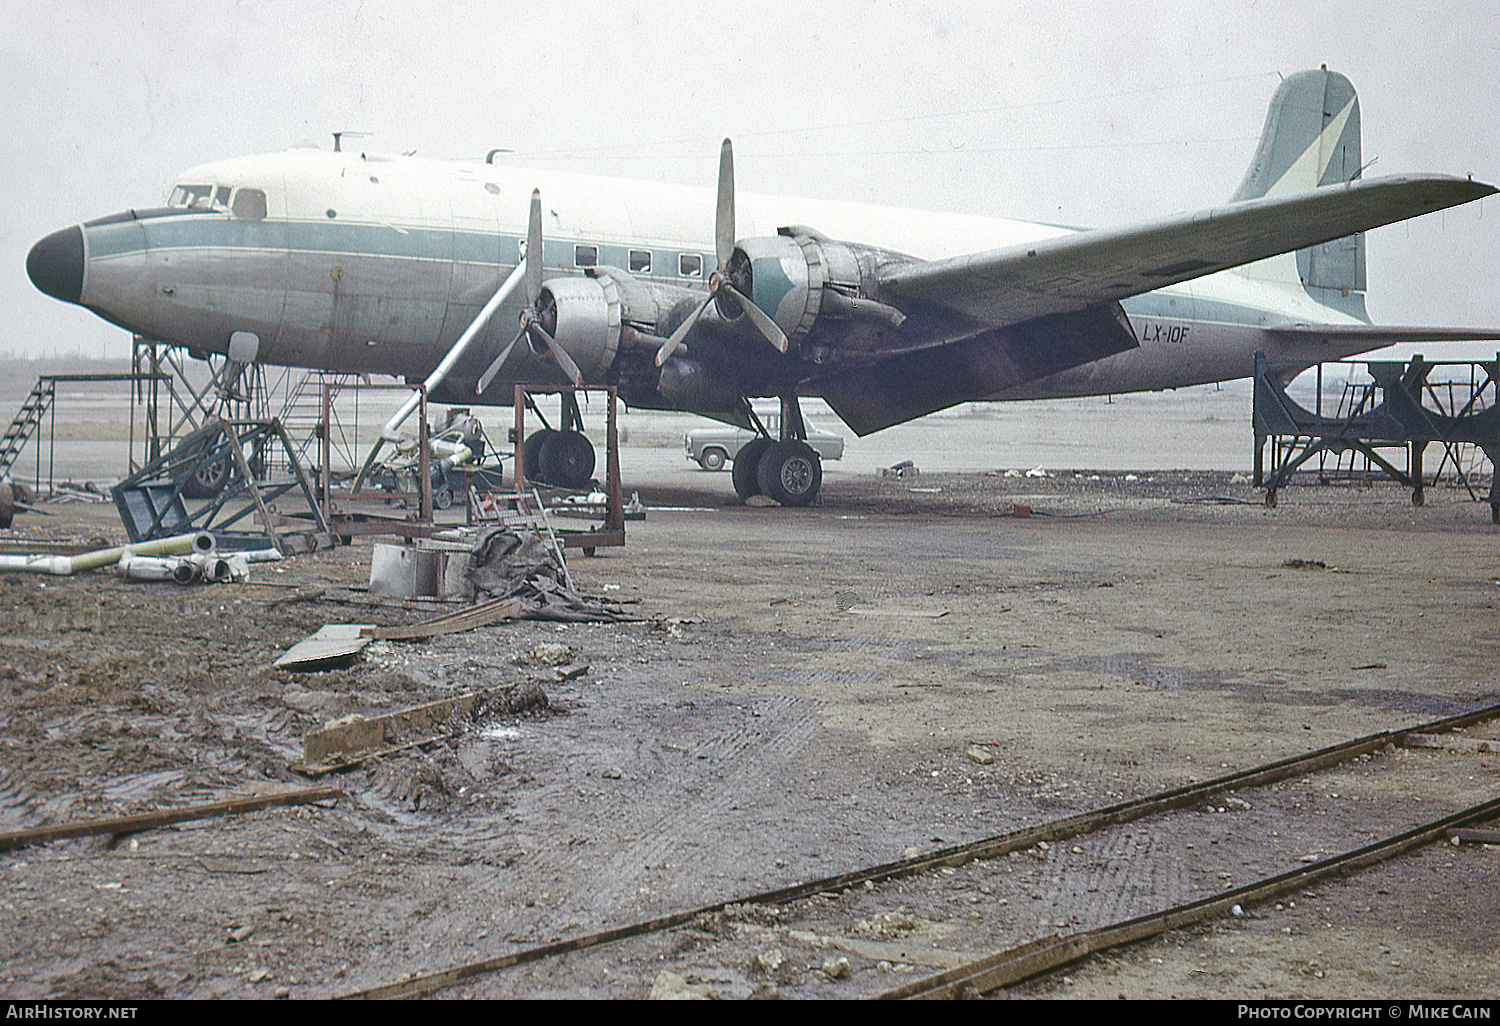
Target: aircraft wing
<point x="1071" y="272"/>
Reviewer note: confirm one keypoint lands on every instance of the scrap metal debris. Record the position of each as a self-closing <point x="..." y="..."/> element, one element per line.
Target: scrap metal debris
<point x="505" y="564"/>
<point x="335" y="645"/>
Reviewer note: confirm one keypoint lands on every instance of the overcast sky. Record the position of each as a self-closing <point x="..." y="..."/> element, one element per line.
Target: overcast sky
<point x="1082" y="114"/>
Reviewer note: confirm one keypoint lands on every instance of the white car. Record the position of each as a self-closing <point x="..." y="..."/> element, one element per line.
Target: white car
<point x="713" y="448"/>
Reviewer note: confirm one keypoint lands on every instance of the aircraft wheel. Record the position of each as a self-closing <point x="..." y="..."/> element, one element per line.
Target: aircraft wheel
<point x="443" y="498"/>
<point x="209" y="480"/>
<point x="531" y="452"/>
<point x="746" y="471"/>
<point x="567" y="460"/>
<point x="791" y="473"/>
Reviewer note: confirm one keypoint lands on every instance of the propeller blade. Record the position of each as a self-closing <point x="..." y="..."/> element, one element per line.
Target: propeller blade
<point x="759" y="318"/>
<point x="494" y="368"/>
<point x="558" y="353"/>
<point x="534" y="249"/>
<point x="724" y="215"/>
<point x="675" y="339"/>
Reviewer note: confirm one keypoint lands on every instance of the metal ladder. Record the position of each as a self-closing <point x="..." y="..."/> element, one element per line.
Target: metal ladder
<point x="529" y="513"/>
<point x="24" y="426"/>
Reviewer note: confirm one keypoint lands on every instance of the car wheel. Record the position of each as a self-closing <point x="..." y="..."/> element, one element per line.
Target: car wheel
<point x="567" y="460"/>
<point x="713" y="459"/>
<point x="790" y="473"/>
<point x="746" y="470"/>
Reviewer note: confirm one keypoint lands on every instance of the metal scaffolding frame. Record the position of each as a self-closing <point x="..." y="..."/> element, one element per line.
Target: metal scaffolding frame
<point x="1400" y="410"/>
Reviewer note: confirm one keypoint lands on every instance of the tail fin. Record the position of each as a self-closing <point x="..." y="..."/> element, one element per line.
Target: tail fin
<point x="1311" y="138"/>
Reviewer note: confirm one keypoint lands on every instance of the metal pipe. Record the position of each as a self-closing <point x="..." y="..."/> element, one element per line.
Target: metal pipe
<point x="65" y="566"/>
<point x="440" y="372"/>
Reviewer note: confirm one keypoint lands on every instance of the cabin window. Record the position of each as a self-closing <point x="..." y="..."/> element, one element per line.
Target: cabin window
<point x="221" y="197"/>
<point x="690" y="265"/>
<point x="200" y="196"/>
<point x="640" y="261"/>
<point x="249" y="205"/>
<point x="585" y="256"/>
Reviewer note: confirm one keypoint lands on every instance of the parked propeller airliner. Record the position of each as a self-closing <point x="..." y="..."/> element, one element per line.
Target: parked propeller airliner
<point x="393" y="265"/>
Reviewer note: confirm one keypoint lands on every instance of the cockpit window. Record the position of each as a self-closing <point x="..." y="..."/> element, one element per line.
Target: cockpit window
<point x="198" y="196"/>
<point x="249" y="204"/>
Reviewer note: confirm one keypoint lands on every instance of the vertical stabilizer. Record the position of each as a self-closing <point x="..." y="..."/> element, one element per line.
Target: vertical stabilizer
<point x="1311" y="139"/>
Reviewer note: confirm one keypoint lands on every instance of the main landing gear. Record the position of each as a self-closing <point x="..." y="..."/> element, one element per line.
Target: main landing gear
<point x="787" y="470"/>
<point x="562" y="457"/>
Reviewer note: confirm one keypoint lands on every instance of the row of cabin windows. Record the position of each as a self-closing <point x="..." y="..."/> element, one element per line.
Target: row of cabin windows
<point x="250" y="205"/>
<point x="689" y="265"/>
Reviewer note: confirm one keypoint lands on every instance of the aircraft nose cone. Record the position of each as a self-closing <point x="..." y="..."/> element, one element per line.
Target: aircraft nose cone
<point x="55" y="265"/>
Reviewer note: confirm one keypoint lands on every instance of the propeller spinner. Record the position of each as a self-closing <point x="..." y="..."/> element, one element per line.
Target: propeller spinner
<point x="535" y="315"/>
<point x="732" y="274"/>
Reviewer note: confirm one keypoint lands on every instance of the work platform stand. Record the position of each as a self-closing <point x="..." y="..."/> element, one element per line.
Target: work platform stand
<point x="326" y="494"/>
<point x="344" y="519"/>
<point x="1399" y="409"/>
<point x="611" y="532"/>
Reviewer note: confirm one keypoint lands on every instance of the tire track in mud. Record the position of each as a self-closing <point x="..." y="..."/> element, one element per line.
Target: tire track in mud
<point x="693" y="801"/>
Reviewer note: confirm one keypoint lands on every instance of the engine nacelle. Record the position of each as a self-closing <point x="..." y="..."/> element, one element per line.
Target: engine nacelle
<point x="590" y="317"/>
<point x="584" y="316"/>
<point x="799" y="277"/>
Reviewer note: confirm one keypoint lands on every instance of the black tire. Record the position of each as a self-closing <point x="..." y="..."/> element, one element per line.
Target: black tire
<point x="531" y="452"/>
<point x="713" y="458"/>
<point x="791" y="473"/>
<point x="567" y="460"/>
<point x="209" y="480"/>
<point x="746" y="470"/>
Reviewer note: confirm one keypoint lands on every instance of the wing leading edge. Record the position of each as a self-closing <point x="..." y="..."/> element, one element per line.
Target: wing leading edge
<point x="1071" y="272"/>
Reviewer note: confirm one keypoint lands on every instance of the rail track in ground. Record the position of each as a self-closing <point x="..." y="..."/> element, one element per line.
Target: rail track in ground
<point x="968" y="976"/>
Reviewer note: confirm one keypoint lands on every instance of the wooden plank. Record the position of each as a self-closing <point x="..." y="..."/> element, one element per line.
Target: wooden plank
<point x="346" y="743"/>
<point x="482" y="615"/>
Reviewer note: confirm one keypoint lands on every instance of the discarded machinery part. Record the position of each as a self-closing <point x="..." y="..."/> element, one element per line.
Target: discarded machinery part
<point x="150" y="568"/>
<point x="65" y="566"/>
<point x="958" y="855"/>
<point x="207" y="566"/>
<point x="166" y="817"/>
<point x="1014" y="965"/>
<point x="260" y="555"/>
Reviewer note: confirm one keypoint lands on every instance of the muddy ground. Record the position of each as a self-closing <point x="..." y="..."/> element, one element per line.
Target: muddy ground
<point x="750" y="732"/>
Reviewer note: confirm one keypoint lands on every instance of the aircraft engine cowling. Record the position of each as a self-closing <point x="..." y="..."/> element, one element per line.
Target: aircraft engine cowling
<point x="584" y="316"/>
<point x="592" y="317"/>
<point x="798" y="277"/>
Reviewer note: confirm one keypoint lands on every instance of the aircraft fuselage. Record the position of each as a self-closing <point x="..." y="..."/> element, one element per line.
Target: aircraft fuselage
<point x="346" y="262"/>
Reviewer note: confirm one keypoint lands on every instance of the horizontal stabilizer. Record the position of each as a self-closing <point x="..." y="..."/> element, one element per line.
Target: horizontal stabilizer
<point x="1069" y="272"/>
<point x="1377" y="336"/>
